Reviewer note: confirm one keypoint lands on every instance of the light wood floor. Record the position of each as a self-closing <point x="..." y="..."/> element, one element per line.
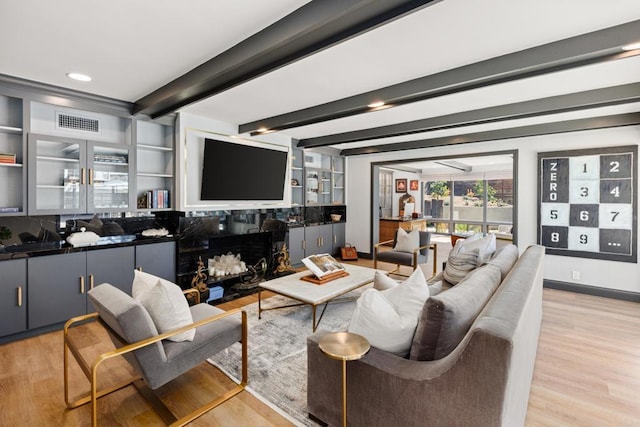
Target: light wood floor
<point x="587" y="374"/>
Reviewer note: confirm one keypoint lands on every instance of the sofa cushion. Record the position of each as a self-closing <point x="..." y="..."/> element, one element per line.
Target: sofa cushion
<point x="447" y="317"/>
<point x="165" y="303"/>
<point x="505" y="259"/>
<point x="388" y="318"/>
<point x="383" y="282"/>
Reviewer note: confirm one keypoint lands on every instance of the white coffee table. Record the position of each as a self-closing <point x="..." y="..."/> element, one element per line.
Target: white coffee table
<point x="313" y="295"/>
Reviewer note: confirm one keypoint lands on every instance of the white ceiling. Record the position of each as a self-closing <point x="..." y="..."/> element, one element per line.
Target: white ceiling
<point x="131" y="48"/>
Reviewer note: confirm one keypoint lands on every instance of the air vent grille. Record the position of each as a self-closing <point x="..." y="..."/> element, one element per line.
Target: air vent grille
<point x="67" y="121"/>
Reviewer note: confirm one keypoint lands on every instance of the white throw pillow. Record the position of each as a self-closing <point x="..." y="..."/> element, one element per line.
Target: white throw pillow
<point x="407" y="242"/>
<point x="165" y="303"/>
<point x="388" y="319"/>
<point x="382" y="282"/>
<point x="486" y="246"/>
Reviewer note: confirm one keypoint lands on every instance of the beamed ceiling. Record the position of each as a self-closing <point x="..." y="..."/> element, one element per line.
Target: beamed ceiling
<point x="449" y="71"/>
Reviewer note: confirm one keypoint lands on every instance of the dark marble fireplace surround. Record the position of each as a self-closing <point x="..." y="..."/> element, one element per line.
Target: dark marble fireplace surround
<point x="199" y="234"/>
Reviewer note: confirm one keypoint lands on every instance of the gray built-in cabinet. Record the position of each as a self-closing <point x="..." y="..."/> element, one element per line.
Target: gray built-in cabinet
<point x="317" y="179"/>
<point x="13" y="298"/>
<point x="12" y="157"/>
<point x="158" y="259"/>
<point x="69" y="175"/>
<point x="58" y="284"/>
<point x="315" y="239"/>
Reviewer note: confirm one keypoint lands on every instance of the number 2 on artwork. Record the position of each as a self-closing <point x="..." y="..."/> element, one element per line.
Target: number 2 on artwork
<point x="615" y="167"/>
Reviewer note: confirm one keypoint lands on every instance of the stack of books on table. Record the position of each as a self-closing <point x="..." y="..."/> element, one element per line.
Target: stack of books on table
<point x="8" y="158"/>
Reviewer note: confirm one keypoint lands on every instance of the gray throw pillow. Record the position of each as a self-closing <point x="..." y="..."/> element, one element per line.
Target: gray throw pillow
<point x="460" y="264"/>
<point x="447" y="317"/>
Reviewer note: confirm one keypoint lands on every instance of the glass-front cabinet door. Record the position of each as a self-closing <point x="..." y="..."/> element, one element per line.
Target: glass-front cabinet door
<point x="57" y="182"/>
<point x="77" y="176"/>
<point x="108" y="180"/>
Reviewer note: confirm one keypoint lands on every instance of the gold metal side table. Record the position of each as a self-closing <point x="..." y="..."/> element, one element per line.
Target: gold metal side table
<point x="344" y="346"/>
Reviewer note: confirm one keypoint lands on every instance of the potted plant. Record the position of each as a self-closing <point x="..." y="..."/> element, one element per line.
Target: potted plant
<point x="438" y="191"/>
<point x="5" y="234"/>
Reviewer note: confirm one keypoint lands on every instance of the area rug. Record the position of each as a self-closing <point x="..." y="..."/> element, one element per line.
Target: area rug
<point x="278" y="353"/>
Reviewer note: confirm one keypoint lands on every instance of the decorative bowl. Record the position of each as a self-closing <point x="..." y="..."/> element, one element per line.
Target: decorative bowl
<point x="336" y="217"/>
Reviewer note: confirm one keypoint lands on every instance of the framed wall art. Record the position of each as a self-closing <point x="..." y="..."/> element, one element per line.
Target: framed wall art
<point x="587" y="203"/>
<point x="413" y="185"/>
<point x="401" y="185"/>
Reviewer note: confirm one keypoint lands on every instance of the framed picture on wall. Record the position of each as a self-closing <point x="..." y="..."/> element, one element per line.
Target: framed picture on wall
<point x="588" y="203"/>
<point x="401" y="185"/>
<point x="413" y="185"/>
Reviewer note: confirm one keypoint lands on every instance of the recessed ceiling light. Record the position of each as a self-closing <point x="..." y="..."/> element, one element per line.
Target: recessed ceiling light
<point x="79" y="77"/>
<point x="376" y="104"/>
<point x="632" y="46"/>
<point x="263" y="130"/>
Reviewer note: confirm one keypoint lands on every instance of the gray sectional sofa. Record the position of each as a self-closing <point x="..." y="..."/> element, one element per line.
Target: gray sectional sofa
<point x="471" y="361"/>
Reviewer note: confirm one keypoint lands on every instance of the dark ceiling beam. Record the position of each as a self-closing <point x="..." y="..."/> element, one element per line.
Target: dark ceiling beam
<point x="615" y="95"/>
<point x="585" y="49"/>
<point x="591" y="123"/>
<point x="313" y="27"/>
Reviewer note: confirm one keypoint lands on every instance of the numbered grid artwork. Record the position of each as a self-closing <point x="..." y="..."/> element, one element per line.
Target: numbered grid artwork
<point x="587" y="203"/>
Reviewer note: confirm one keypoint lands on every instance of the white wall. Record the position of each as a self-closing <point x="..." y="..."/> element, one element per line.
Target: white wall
<point x="192" y="130"/>
<point x="607" y="274"/>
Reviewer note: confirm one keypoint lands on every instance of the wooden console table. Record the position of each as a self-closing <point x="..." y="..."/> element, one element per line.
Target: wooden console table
<point x="389" y="226"/>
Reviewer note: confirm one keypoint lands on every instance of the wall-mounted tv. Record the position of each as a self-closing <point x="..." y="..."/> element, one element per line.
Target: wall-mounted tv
<point x="237" y="171"/>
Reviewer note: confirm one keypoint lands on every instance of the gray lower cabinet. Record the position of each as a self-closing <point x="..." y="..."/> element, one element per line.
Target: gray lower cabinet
<point x="57" y="288"/>
<point x="296" y="245"/>
<point x="114" y="266"/>
<point x="338" y="237"/>
<point x="58" y="284"/>
<point x="13" y="297"/>
<point x="158" y="259"/>
<point x="319" y="239"/>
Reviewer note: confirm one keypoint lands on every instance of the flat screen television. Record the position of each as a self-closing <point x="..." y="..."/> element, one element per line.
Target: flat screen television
<point x="237" y="171"/>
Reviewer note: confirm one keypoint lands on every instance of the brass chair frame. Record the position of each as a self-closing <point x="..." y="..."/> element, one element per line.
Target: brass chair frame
<point x="431" y="246"/>
<point x="91" y="371"/>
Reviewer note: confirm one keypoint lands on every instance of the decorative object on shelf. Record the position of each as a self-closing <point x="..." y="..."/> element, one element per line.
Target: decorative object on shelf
<point x="295" y="183"/>
<point x="336" y="217"/>
<point x="8" y="158"/>
<point x="281" y="261"/>
<point x="83" y="238"/>
<point x="256" y="276"/>
<point x="223" y="265"/>
<point x="349" y="252"/>
<point x="199" y="281"/>
<point x="401" y="185"/>
<point x="155" y="232"/>
<point x="413" y="185"/>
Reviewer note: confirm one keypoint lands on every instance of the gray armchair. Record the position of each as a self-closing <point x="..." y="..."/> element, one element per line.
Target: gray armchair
<point x="155" y="359"/>
<point x="411" y="259"/>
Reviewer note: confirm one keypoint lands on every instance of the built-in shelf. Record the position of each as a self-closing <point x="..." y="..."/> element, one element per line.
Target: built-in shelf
<point x="155" y="175"/>
<point x="111" y="163"/>
<point x="11" y="165"/>
<point x="51" y="186"/>
<point x="154" y="147"/>
<point x="58" y="159"/>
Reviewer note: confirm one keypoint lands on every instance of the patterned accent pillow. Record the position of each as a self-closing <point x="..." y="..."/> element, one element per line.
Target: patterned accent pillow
<point x="461" y="264"/>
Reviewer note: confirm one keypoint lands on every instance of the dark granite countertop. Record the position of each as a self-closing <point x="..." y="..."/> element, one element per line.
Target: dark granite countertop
<point x="29" y="250"/>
